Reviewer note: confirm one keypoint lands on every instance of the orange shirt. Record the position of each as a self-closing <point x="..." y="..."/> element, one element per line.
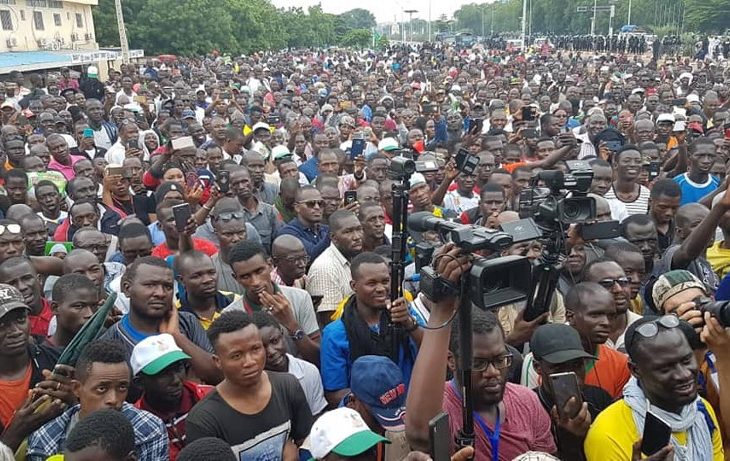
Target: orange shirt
<point x="12" y="395"/>
<point x="610" y="372"/>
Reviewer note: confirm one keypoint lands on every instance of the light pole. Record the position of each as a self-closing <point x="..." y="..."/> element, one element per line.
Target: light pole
<point x="628" y="19"/>
<point x="593" y="21"/>
<point x="122" y="31"/>
<point x="524" y="23"/>
<point x="410" y="20"/>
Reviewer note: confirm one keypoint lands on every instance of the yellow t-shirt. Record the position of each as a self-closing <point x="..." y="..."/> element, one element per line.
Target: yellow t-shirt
<point x="613" y="434"/>
<point x="719" y="259"/>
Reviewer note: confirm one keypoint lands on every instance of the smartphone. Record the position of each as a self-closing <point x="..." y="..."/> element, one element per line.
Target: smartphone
<point x="679" y="102"/>
<point x="529" y="133"/>
<point x="656" y="434"/>
<point x="440" y="437"/>
<point x="114" y="170"/>
<point x="204" y="180"/>
<point x="224" y="181"/>
<point x="88" y="133"/>
<point x="428" y="109"/>
<point x="426" y="166"/>
<point x="528" y="113"/>
<point x="191" y="178"/>
<point x="565" y="386"/>
<point x="182" y="214"/>
<point x="600" y="230"/>
<point x="273" y="119"/>
<point x="183" y="142"/>
<point x="476" y="125"/>
<point x="132" y="144"/>
<point x="350" y="196"/>
<point x="613" y="146"/>
<point x="466" y="162"/>
<point x="654" y="168"/>
<point x="358" y="147"/>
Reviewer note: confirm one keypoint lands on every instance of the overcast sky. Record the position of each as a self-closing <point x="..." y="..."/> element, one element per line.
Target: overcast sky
<point x="386" y="10"/>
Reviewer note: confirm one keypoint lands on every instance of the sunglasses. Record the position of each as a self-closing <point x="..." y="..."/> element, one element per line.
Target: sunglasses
<point x="313" y="203"/>
<point x="11" y="228"/>
<point x="651" y="329"/>
<point x="609" y="283"/>
<point x="231" y="215"/>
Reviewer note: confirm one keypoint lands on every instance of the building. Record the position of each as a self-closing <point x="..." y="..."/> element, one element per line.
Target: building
<point x="48" y="34"/>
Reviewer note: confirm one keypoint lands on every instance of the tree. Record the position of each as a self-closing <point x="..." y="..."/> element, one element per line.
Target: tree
<point x="358" y="18"/>
<point x="360" y="38"/>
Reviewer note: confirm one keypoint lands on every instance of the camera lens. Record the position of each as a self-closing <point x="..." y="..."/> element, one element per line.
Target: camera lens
<point x="571" y="210"/>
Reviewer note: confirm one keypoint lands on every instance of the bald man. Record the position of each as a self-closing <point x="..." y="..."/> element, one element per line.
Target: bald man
<point x="290" y="260"/>
<point x="87" y="264"/>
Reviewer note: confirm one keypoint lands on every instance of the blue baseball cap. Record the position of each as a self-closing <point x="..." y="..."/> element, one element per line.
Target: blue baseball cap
<point x="378" y="383"/>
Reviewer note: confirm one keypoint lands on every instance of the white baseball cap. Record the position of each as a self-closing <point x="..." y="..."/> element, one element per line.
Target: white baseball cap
<point x="343" y="432"/>
<point x="261" y="126"/>
<point x="388" y="144"/>
<point x="279" y="152"/>
<point x="665" y="118"/>
<point x="155" y="353"/>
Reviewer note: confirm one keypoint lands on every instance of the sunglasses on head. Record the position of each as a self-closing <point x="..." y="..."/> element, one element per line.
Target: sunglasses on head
<point x="231" y="215"/>
<point x="11" y="228"/>
<point x="651" y="328"/>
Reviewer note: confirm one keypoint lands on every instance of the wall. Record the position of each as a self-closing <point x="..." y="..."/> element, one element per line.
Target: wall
<point x="66" y="36"/>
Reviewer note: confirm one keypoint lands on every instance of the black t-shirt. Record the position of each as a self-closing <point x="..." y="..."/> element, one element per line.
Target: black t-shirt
<point x="261" y="436"/>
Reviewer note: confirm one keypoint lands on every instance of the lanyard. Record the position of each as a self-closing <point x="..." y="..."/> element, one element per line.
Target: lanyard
<point x="492" y="435"/>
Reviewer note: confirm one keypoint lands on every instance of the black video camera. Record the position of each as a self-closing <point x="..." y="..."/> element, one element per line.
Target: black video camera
<point x="718" y="309"/>
<point x="401" y="167"/>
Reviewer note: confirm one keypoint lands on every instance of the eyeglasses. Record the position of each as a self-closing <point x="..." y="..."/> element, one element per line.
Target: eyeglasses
<point x="295" y="259"/>
<point x="651" y="328"/>
<point x="500" y="363"/>
<point x="609" y="283"/>
<point x="11" y="228"/>
<point x="313" y="203"/>
<point x="231" y="215"/>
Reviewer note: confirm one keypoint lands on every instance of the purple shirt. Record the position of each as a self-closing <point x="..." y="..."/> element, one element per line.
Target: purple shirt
<point x="66" y="171"/>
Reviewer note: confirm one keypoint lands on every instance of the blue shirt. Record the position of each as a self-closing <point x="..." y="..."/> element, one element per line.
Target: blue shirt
<point x="310" y="168"/>
<point x="693" y="192"/>
<point x="314" y="242"/>
<point x="335" y="355"/>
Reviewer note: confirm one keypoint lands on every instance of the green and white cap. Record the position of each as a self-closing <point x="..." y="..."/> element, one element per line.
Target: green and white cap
<point x="343" y="432"/>
<point x="155" y="353"/>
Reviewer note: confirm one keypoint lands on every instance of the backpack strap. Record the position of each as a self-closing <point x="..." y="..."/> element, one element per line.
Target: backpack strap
<point x="708" y="419"/>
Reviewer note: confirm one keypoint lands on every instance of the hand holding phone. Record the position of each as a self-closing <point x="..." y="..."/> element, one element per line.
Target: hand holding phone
<point x="223" y="181"/>
<point x="565" y="387"/>
<point x="358" y="147"/>
<point x="182" y="214"/>
<point x="656" y="435"/>
<point x="440" y="437"/>
<point x="350" y="197"/>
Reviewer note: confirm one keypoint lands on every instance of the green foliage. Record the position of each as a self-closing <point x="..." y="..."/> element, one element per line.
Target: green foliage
<point x="358" y="18"/>
<point x="359" y="38"/>
<point x="230" y="26"/>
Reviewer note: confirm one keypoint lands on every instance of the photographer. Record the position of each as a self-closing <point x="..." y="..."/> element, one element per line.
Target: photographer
<point x="509" y="419"/>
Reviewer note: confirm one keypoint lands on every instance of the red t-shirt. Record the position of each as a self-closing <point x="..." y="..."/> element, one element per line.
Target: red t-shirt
<point x="39" y="323"/>
<point x="207" y="247"/>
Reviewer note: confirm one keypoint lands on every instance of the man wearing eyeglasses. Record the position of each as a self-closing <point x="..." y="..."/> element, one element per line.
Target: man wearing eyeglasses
<point x="664" y="383"/>
<point x="290" y="262"/>
<point x="308" y="226"/>
<point x="508" y="418"/>
<point x="609" y="274"/>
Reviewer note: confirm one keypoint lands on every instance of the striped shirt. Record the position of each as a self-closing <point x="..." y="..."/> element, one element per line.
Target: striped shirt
<point x="329" y="277"/>
<point x="640" y="205"/>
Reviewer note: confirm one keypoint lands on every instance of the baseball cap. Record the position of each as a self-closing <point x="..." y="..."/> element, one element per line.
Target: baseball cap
<point x="388" y="144"/>
<point x="10" y="300"/>
<point x="92" y="71"/>
<point x="693" y="98"/>
<point x="279" y="152"/>
<point x="665" y="118"/>
<point x="343" y="432"/>
<point x="188" y="113"/>
<point x="261" y="126"/>
<point x="680" y="125"/>
<point x="378" y="383"/>
<point x="557" y="343"/>
<point x="165" y="188"/>
<point x="417" y="179"/>
<point x="671" y="283"/>
<point x="155" y="353"/>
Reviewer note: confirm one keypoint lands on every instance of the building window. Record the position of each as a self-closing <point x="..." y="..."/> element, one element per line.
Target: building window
<point x="79" y="20"/>
<point x="7" y="2"/>
<point x="6" y="20"/>
<point x="36" y="3"/>
<point x="22" y="15"/>
<point x="55" y="4"/>
<point x="38" y="20"/>
<point x="57" y="19"/>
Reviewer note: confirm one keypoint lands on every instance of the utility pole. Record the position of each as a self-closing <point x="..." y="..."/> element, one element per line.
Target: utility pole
<point x="593" y="21"/>
<point x="122" y="31"/>
<point x="410" y="20"/>
<point x="524" y="24"/>
<point x="429" y="20"/>
<point x="628" y="19"/>
<point x="491" y="24"/>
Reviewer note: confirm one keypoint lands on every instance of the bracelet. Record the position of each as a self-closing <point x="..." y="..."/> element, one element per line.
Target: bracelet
<point x="207" y="207"/>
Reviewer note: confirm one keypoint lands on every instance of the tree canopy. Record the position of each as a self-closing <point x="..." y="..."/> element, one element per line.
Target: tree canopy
<point x="230" y="26"/>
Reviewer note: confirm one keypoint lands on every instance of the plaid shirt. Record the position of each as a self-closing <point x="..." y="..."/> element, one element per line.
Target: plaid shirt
<point x="150" y="435"/>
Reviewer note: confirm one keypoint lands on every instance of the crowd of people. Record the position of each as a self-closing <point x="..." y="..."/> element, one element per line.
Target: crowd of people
<point x="241" y="212"/>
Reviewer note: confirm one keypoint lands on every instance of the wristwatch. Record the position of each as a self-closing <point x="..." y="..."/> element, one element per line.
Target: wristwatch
<point x="298" y="335"/>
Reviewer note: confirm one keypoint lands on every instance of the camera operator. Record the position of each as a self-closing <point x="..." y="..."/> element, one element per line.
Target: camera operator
<point x="509" y="419"/>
